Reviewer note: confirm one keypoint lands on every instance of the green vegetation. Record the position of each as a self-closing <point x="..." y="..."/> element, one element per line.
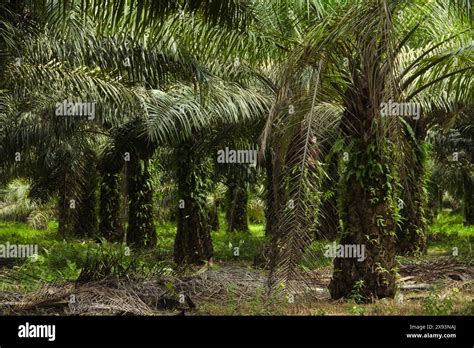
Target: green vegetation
<point x="74" y="259"/>
<point x="271" y="156"/>
<point x="450" y="235"/>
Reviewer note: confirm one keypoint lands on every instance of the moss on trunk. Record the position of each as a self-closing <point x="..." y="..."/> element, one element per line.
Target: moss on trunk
<point x="193" y="244"/>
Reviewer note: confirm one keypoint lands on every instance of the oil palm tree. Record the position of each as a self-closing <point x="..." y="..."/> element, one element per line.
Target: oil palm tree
<point x="452" y="162"/>
<point x="92" y="66"/>
<point x="354" y="54"/>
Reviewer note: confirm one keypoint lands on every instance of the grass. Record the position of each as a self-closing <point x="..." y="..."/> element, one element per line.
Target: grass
<point x="237" y="245"/>
<point x="449" y="236"/>
<point x="258" y="304"/>
<point x="433" y="303"/>
<point x="224" y="243"/>
<point x="451" y="224"/>
<point x="22" y="233"/>
<point x="64" y="259"/>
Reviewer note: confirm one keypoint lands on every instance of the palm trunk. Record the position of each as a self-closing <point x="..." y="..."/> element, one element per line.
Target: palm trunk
<point x="236" y="215"/>
<point x="123" y="214"/>
<point x="214" y="217"/>
<point x="411" y="232"/>
<point x="65" y="211"/>
<point x="86" y="223"/>
<point x="263" y="255"/>
<point x="270" y="206"/>
<point x="468" y="184"/>
<point x="141" y="228"/>
<point x="435" y="198"/>
<point x="367" y="220"/>
<point x="109" y="208"/>
<point x="62" y="208"/>
<point x="193" y="244"/>
<point x="328" y="228"/>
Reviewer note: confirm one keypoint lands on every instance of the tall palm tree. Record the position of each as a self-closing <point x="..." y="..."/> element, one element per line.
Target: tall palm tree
<point x="194" y="117"/>
<point x="453" y="162"/>
<point x="441" y="105"/>
<point x="355" y="55"/>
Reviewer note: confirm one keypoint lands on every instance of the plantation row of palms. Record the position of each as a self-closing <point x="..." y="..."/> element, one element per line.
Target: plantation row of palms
<point x="173" y="82"/>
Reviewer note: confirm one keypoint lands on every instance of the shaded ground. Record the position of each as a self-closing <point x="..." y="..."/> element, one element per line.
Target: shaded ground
<point x="436" y="284"/>
<point x="236" y="288"/>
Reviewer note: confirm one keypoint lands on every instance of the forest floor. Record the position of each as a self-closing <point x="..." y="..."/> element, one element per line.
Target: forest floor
<point x="72" y="277"/>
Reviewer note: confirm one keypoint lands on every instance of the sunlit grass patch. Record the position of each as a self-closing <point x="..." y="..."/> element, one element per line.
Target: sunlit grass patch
<point x="451" y="223"/>
<point x="449" y="236"/>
